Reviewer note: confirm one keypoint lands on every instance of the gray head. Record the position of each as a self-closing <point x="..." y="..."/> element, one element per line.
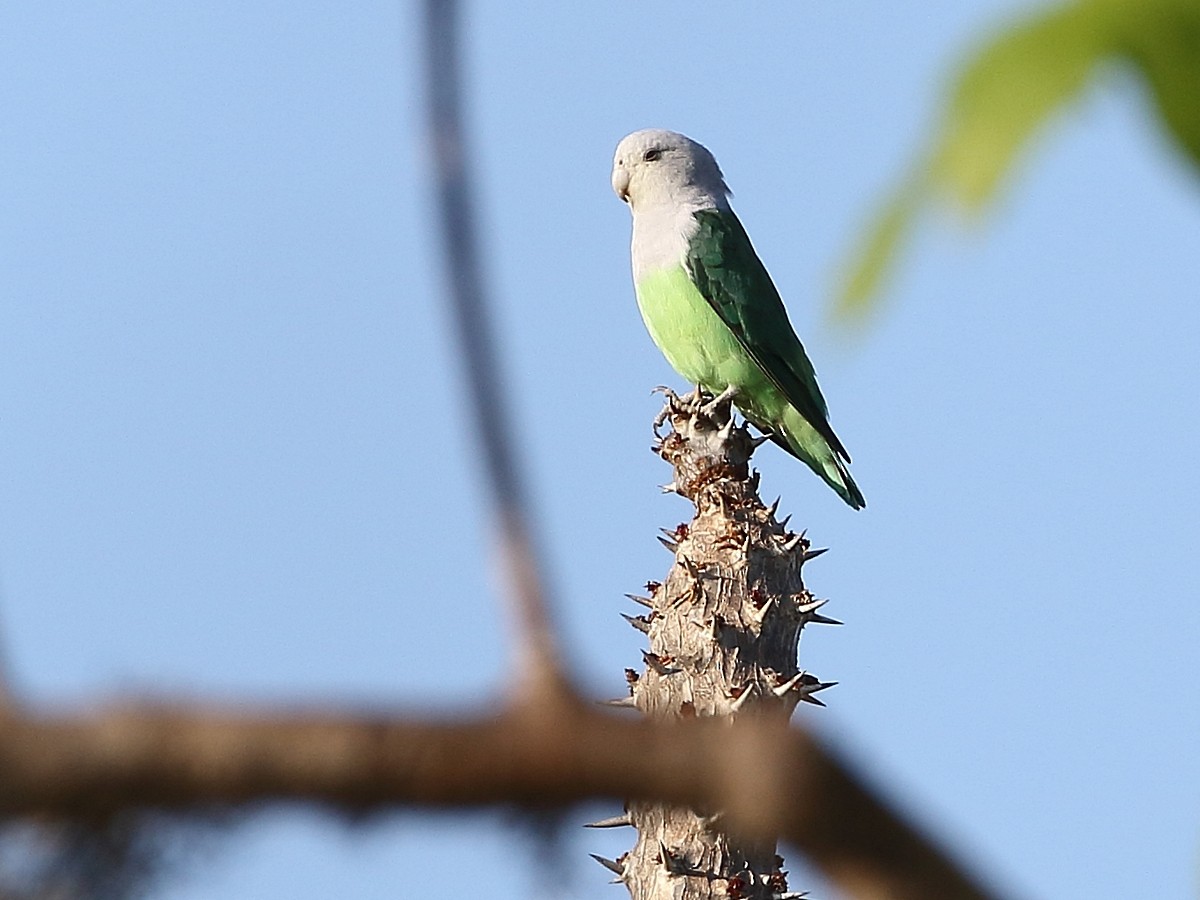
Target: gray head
<point x="656" y="167"/>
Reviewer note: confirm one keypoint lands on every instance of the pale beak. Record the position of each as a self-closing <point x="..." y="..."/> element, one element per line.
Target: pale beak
<point x="620" y="182"/>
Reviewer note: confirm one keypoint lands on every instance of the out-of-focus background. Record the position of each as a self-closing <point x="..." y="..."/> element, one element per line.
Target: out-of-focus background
<point x="235" y="463"/>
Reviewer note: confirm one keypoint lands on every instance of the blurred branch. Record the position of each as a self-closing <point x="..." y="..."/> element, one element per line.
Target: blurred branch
<point x="477" y="348"/>
<point x="187" y="758"/>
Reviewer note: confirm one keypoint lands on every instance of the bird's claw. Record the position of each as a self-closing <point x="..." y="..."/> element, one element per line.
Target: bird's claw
<point x="688" y="404"/>
<point x="711" y="409"/>
<point x="672" y="402"/>
<point x="696" y="402"/>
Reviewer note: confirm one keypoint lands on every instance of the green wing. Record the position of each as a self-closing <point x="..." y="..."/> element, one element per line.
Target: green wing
<point x="729" y="275"/>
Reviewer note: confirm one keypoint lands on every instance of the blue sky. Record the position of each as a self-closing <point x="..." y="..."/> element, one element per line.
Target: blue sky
<point x="234" y="460"/>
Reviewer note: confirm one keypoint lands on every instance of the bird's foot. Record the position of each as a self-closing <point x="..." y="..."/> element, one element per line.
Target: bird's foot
<point x="696" y="404"/>
<point x="712" y="409"/>
<point x="672" y="403"/>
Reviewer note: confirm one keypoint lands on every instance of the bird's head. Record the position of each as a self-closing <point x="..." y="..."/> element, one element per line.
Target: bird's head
<point x="656" y="166"/>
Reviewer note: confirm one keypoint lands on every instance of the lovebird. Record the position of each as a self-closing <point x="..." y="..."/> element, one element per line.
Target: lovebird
<point x="711" y="307"/>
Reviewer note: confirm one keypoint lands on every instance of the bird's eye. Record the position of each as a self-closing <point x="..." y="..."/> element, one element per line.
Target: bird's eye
<point x="652" y="154"/>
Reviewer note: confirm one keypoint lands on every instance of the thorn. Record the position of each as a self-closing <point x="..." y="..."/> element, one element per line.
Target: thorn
<point x="792" y="543"/>
<point x="671" y="488"/>
<point x="761" y="613"/>
<point x="644" y="601"/>
<point x="611" y="864"/>
<point x="784" y="524"/>
<point x="757" y="442"/>
<point x="787" y="686"/>
<point x="822" y="620"/>
<point x="740" y="700"/>
<point x="804" y="685"/>
<point x="673" y="864"/>
<point x="807" y="691"/>
<point x="670" y="545"/>
<point x="659" y="663"/>
<point x="773" y="509"/>
<point x="641" y="623"/>
<point x="755" y="477"/>
<point x="726" y="430"/>
<point x="614" y="822"/>
<point x="811" y="606"/>
<point x="808" y="610"/>
<point x="690" y="567"/>
<point x="620" y="703"/>
<point x="813" y="554"/>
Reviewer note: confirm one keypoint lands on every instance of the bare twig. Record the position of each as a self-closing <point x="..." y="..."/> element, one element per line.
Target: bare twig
<point x="474" y="332"/>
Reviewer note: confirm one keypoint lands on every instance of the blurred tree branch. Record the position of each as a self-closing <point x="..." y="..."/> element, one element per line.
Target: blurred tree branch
<point x="193" y="758"/>
<point x="539" y="657"/>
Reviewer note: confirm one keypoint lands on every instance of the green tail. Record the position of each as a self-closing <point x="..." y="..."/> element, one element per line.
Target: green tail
<point x="802" y="441"/>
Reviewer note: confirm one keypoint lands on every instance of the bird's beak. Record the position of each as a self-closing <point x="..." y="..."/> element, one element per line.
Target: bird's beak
<point x="620" y="182"/>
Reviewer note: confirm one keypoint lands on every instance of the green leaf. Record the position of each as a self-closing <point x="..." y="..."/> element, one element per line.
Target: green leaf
<point x="1000" y="98"/>
<point x="1010" y="88"/>
<point x="876" y="253"/>
<point x="1162" y="39"/>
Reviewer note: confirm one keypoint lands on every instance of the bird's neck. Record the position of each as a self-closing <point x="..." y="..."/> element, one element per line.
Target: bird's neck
<point x="663" y="230"/>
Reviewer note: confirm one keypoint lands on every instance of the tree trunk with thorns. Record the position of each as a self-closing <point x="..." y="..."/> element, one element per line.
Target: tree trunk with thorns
<point x="724" y="628"/>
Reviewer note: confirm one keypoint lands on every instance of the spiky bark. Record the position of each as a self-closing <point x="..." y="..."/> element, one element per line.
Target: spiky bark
<point x="724" y="628"/>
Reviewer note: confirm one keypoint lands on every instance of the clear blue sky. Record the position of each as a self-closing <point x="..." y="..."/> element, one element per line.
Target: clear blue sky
<point x="234" y="461"/>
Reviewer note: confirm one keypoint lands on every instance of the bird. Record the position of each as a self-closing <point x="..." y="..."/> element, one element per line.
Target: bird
<point x="710" y="305"/>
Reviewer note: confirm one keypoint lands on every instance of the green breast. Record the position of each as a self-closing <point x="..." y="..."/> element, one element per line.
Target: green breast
<point x="690" y="334"/>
